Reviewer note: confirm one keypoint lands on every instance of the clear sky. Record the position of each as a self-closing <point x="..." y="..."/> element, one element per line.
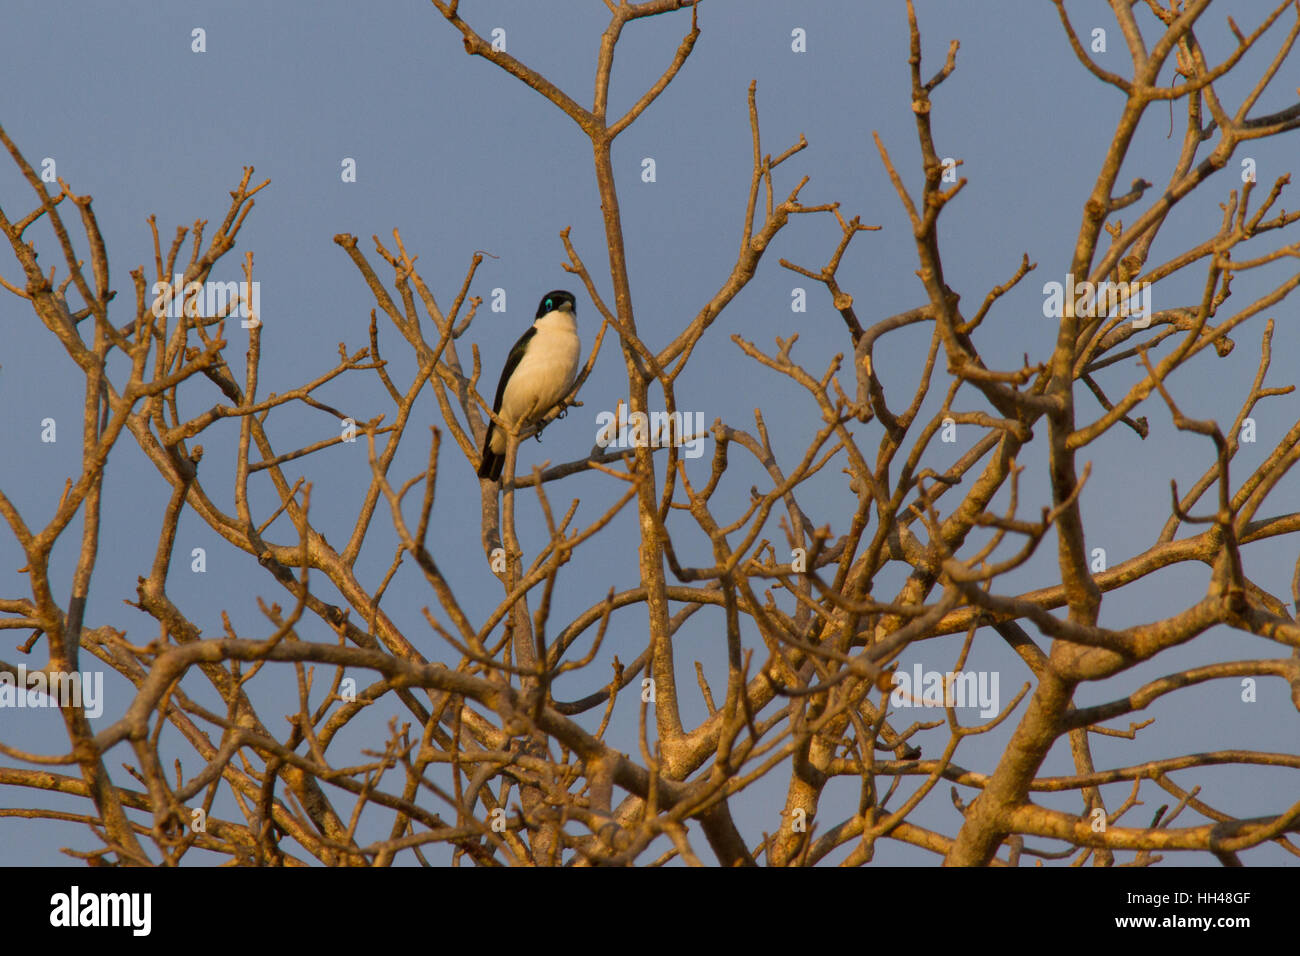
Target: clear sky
<point x="461" y="157"/>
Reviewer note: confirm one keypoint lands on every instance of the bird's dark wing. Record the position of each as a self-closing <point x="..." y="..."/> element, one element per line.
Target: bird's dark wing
<point x="490" y="464"/>
<point x="512" y="362"/>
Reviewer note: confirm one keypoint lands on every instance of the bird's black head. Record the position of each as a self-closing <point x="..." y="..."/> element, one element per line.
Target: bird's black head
<point x="557" y="299"/>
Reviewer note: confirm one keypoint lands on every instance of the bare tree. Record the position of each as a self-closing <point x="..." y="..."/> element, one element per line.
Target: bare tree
<point x="488" y="762"/>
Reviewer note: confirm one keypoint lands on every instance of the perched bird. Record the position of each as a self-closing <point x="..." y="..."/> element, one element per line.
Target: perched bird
<point x="539" y="372"/>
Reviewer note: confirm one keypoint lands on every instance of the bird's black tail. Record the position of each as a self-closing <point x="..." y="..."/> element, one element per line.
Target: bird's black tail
<point x="491" y="463"/>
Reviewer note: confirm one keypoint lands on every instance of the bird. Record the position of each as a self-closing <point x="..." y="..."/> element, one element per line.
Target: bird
<point x="538" y="373"/>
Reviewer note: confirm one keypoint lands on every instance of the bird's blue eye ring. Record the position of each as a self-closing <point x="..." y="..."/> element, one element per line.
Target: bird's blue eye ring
<point x="548" y="305"/>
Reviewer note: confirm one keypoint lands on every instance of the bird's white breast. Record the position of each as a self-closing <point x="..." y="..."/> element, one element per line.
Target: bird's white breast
<point x="545" y="373"/>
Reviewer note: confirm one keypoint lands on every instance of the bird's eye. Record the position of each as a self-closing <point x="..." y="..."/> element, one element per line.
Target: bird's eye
<point x="549" y="305"/>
